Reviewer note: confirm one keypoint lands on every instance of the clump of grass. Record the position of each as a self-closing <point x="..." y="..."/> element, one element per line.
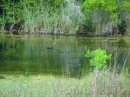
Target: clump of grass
<point x="42" y="18"/>
<point x="107" y="84"/>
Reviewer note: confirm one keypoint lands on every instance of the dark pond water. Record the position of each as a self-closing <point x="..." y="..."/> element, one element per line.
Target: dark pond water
<point x="57" y="55"/>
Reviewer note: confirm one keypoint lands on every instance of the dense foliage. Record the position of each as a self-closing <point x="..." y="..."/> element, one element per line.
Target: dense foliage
<point x="41" y="16"/>
<point x="65" y="16"/>
<point x="106" y="15"/>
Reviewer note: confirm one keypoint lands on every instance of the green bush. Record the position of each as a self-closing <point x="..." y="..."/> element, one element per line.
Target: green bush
<point x="97" y="57"/>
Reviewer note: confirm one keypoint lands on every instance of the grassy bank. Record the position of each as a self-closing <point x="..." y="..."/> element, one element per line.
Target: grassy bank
<point x="108" y="84"/>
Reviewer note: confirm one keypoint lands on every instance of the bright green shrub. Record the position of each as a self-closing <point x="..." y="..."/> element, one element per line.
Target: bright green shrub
<point x="97" y="57"/>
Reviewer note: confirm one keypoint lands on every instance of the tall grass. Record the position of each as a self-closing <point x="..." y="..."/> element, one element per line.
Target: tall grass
<point x="2" y="22"/>
<point x="64" y="19"/>
<point x="108" y="84"/>
<point x="42" y="17"/>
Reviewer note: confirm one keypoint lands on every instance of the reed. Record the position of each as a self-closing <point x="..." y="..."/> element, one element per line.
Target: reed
<point x="2" y="22"/>
<point x="64" y="19"/>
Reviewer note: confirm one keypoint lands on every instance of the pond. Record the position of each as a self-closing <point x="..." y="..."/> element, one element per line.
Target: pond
<point x="58" y="55"/>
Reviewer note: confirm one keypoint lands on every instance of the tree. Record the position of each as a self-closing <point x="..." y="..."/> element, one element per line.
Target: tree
<point x="100" y="13"/>
<point x="124" y="15"/>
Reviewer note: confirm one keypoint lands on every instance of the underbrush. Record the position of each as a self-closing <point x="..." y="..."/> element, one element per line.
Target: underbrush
<point x="108" y="84"/>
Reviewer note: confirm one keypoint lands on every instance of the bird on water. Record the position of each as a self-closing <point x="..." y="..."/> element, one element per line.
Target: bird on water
<point x="51" y="47"/>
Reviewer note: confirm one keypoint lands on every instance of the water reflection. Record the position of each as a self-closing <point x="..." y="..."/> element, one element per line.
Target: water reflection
<point x="29" y="54"/>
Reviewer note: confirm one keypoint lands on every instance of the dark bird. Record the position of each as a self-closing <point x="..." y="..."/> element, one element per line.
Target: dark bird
<point x="50" y="47"/>
<point x="61" y="52"/>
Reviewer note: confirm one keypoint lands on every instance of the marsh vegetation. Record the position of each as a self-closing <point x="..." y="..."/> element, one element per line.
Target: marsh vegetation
<point x="94" y="17"/>
<point x="42" y="53"/>
<point x="29" y="69"/>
